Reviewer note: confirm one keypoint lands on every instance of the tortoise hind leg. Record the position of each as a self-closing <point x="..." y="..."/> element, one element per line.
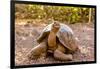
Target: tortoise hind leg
<point x="59" y="54"/>
<point x="38" y="51"/>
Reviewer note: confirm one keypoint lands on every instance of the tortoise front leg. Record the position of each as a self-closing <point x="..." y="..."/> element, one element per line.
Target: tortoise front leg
<point x="59" y="54"/>
<point x="38" y="51"/>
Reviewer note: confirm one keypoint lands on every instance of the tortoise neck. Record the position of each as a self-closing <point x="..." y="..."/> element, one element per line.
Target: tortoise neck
<point x="53" y="31"/>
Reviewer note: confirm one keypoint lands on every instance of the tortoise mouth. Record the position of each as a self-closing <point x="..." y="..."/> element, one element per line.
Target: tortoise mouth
<point x="57" y="26"/>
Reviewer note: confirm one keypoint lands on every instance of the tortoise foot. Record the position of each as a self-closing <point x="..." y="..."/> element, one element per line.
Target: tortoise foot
<point x="61" y="56"/>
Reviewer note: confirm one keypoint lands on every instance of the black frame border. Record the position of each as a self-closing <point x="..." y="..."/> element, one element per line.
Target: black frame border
<point x="12" y="34"/>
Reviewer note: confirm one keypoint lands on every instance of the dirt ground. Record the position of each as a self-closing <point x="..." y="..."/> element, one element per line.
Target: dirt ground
<point x="27" y="32"/>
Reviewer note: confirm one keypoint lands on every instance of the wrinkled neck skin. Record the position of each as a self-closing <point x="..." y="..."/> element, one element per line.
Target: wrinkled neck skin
<point x="52" y="40"/>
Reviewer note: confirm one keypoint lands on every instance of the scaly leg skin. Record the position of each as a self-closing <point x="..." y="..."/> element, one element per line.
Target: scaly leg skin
<point x="59" y="54"/>
<point x="38" y="51"/>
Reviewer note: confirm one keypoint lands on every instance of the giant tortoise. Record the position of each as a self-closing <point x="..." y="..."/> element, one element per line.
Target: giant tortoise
<point x="58" y="39"/>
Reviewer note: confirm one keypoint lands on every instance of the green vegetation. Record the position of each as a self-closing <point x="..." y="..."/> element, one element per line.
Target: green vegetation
<point x="60" y="13"/>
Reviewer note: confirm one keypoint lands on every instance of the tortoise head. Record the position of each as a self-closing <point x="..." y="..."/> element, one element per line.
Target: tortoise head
<point x="55" y="26"/>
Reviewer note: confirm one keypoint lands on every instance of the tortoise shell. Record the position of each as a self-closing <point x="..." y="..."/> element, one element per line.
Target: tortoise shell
<point x="65" y="36"/>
